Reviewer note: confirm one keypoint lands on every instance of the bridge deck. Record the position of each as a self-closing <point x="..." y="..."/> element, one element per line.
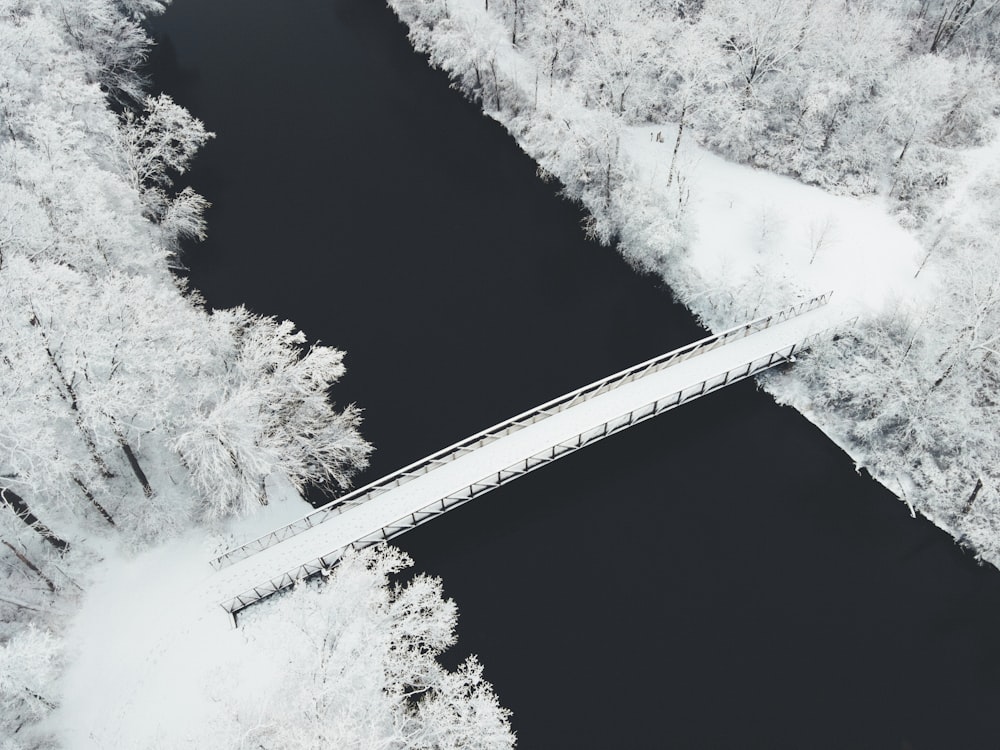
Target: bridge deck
<point x="468" y="473"/>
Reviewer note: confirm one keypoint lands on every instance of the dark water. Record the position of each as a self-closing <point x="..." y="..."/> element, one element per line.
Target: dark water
<point x="716" y="578"/>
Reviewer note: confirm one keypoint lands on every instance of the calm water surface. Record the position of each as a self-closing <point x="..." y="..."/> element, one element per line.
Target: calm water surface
<point x="717" y="578"/>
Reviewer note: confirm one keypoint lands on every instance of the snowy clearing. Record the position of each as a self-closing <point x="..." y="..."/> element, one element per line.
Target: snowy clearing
<point x="745" y="218"/>
<point x="143" y="653"/>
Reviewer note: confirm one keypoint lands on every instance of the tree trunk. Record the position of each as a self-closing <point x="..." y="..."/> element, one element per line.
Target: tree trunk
<point x="952" y="19"/>
<point x="74" y="403"/>
<point x="93" y="501"/>
<point x="972" y="498"/>
<point x="16" y="603"/>
<point x="496" y="84"/>
<point x="20" y="508"/>
<point x="30" y="565"/>
<point x="136" y="468"/>
<point x="903" y="152"/>
<point x="677" y="147"/>
<point x="947" y="352"/>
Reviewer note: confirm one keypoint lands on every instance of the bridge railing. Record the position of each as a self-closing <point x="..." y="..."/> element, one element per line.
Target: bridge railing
<point x="588" y="436"/>
<point x="514" y="424"/>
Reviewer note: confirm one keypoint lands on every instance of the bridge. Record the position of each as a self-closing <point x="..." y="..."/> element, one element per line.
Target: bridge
<point x="455" y="475"/>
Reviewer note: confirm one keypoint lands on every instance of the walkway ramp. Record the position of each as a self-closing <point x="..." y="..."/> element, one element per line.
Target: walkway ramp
<point x="461" y="472"/>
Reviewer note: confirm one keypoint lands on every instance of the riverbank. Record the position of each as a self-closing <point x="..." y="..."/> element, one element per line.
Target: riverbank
<point x="719" y="561"/>
<point x="733" y="241"/>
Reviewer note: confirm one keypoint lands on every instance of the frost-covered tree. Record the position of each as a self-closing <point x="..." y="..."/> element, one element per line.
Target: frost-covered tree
<point x="942" y="26"/>
<point x="554" y="39"/>
<point x="264" y="409"/>
<point x="114" y="44"/>
<point x="47" y="446"/>
<point x="362" y="669"/>
<point x="28" y="687"/>
<point x="617" y="60"/>
<point x="156" y="145"/>
<point x="694" y="62"/>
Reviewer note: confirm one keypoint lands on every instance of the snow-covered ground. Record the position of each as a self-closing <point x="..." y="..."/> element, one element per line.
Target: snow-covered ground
<point x="144" y="653"/>
<point x="747" y="226"/>
<point x="146" y="647"/>
<point x="746" y="221"/>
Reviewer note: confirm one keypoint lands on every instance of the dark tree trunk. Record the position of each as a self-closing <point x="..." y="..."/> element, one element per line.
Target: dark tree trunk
<point x="30" y="565"/>
<point x="74" y="403"/>
<point x="136" y="468"/>
<point x="902" y="153"/>
<point x="952" y="19"/>
<point x="93" y="501"/>
<point x="17" y="504"/>
<point x="972" y="498"/>
<point x="677" y="147"/>
<point x="496" y="84"/>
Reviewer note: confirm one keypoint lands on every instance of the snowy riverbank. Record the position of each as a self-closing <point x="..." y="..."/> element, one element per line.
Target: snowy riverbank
<point x="732" y="241"/>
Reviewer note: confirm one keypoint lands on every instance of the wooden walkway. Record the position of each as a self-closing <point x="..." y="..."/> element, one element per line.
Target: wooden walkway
<point x="482" y="462"/>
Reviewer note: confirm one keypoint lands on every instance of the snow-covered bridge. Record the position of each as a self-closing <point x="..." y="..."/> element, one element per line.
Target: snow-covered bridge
<point x="478" y="464"/>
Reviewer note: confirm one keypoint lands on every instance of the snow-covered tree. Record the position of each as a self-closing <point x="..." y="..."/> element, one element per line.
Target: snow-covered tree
<point x="28" y="687"/>
<point x="264" y="409"/>
<point x="943" y="26"/>
<point x="157" y="145"/>
<point x="115" y="46"/>
<point x="617" y="61"/>
<point x="362" y="667"/>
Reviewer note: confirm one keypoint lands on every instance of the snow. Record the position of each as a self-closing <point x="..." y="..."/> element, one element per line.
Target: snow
<point x="142" y="654"/>
<point x="747" y="224"/>
<point x="745" y="217"/>
<point x="482" y="464"/>
<point x="145" y="648"/>
<point x="144" y="651"/>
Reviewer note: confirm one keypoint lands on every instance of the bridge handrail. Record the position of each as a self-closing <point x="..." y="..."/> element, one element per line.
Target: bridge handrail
<point x="326" y="562"/>
<point x="497" y="431"/>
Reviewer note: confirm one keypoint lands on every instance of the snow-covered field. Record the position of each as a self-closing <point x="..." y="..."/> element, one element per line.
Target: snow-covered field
<point x="146" y="652"/>
<point x="747" y="222"/>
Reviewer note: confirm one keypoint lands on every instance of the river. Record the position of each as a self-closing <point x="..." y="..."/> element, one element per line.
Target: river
<point x="719" y="577"/>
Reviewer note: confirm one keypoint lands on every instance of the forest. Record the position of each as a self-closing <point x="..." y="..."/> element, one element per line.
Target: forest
<point x="133" y="413"/>
<point x="892" y="101"/>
